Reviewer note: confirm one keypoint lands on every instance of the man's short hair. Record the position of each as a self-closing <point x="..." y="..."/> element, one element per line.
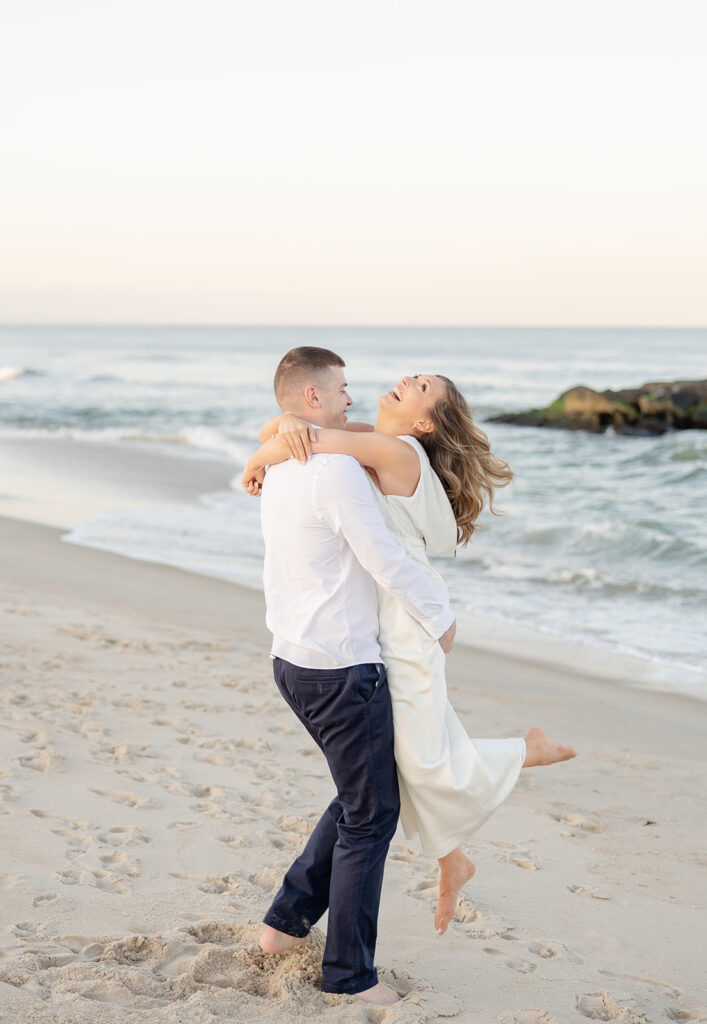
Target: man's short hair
<point x="302" y="366"/>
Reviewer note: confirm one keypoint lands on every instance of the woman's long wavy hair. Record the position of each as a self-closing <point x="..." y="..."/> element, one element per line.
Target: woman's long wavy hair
<point x="460" y="454"/>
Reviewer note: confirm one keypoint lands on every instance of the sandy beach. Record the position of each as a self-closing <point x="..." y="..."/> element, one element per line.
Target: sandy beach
<point x="154" y="787"/>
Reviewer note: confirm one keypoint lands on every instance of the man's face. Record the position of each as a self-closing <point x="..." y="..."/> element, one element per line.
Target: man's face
<point x="333" y="398"/>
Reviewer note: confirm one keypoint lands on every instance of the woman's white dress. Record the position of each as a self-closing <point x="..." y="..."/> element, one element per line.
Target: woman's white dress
<point x="449" y="783"/>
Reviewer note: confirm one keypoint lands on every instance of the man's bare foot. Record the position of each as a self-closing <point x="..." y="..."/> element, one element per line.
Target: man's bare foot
<point x="379" y="995"/>
<point x="540" y="749"/>
<point x="455" y="870"/>
<point x="273" y="941"/>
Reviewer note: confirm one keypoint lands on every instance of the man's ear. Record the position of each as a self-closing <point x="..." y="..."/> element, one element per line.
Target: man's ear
<point x="311" y="397"/>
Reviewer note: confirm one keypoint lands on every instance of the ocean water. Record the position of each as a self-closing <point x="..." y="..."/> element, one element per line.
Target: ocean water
<point x="602" y="541"/>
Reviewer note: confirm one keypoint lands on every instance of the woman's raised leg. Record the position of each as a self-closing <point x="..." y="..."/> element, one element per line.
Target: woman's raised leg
<point x="455" y="870"/>
<point x="541" y="750"/>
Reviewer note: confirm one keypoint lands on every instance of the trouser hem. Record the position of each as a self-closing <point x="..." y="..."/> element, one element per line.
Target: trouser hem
<point x="282" y="924"/>
<point x="352" y="987"/>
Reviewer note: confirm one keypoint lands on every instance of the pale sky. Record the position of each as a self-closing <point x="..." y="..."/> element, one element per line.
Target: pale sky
<point x="320" y="161"/>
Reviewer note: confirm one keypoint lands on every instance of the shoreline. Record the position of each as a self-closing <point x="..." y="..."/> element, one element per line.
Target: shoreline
<point x="151" y="495"/>
<point x="494" y="636"/>
<point x="62" y="482"/>
<point x="224" y="604"/>
<point x="154" y="788"/>
<point x="554" y="654"/>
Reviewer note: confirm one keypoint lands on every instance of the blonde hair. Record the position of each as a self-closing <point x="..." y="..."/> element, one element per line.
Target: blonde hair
<point x="460" y="454"/>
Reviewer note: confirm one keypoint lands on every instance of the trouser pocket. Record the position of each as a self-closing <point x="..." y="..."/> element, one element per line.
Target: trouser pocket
<point x="370" y="679"/>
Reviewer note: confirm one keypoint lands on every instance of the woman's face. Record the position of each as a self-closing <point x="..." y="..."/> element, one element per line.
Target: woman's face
<point x="413" y="398"/>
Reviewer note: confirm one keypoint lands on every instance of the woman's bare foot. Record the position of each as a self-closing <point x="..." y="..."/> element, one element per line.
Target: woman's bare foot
<point x="540" y="749"/>
<point x="273" y="941"/>
<point x="455" y="870"/>
<point x="379" y="995"/>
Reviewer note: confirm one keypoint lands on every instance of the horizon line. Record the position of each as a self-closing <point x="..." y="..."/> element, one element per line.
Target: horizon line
<point x="348" y="325"/>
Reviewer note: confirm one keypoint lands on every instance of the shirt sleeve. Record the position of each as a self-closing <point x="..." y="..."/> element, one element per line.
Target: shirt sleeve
<point x="344" y="500"/>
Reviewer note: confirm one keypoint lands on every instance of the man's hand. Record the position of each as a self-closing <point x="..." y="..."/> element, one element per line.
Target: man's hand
<point x="297" y="434"/>
<point x="446" y="641"/>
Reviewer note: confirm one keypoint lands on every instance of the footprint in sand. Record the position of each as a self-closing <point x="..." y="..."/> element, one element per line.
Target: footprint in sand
<point x="675" y="1013"/>
<point x="466" y="912"/>
<point x="38" y="762"/>
<point x="5" y="798"/>
<point x="548" y="952"/>
<point x="136" y="949"/>
<point x="515" y="963"/>
<point x="579" y="823"/>
<point x="596" y="1006"/>
<point x="525" y="863"/>
<point x="31" y="736"/>
<point x="517" y="855"/>
<point x="477" y="925"/>
<point x="220" y="760"/>
<point x="407" y="856"/>
<point x="78" y="845"/>
<point x="587" y="890"/>
<point x="526" y="1017"/>
<point x="122" y="835"/>
<point x="543" y="950"/>
<point x="72" y="824"/>
<point x="267" y="879"/>
<point x="120" y="863"/>
<point x="68" y="877"/>
<point x="127" y="799"/>
<point x="26" y="930"/>
<point x="520" y="861"/>
<point x="216" y="932"/>
<point x="430" y="1004"/>
<point x="41" y="899"/>
<point x="194" y="790"/>
<point x="294" y="823"/>
<point x="213" y="884"/>
<point x="258" y="745"/>
<point x="108" y="882"/>
<point x="238" y="842"/>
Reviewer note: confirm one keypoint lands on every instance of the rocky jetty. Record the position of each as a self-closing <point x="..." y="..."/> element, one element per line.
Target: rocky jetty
<point x="650" y="409"/>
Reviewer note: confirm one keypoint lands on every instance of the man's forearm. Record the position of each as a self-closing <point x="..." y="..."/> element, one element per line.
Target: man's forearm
<point x="350" y="507"/>
<point x="409" y="584"/>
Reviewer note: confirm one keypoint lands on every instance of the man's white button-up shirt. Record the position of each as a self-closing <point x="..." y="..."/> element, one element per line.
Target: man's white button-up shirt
<point x="325" y="545"/>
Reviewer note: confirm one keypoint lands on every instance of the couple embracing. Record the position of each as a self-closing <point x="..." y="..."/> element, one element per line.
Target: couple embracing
<point x="361" y="624"/>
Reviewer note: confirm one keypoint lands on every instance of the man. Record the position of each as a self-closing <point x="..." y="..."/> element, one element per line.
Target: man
<point x="326" y="545"/>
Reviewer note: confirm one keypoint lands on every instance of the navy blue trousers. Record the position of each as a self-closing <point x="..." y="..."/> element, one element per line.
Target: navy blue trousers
<point x="348" y="713"/>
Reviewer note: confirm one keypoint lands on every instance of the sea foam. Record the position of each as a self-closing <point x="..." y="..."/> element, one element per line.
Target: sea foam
<point x="11" y="372"/>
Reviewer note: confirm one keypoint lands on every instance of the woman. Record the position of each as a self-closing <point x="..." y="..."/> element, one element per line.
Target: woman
<point x="433" y="471"/>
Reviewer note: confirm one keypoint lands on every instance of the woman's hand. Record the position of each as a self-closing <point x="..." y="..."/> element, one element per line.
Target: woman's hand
<point x="269" y="454"/>
<point x="446" y="641"/>
<point x="297" y="435"/>
<point x="252" y="480"/>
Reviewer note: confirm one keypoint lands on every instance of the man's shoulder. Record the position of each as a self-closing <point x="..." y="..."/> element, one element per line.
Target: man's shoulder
<point x="323" y="459"/>
<point x="318" y="463"/>
<point x="340" y="480"/>
<point x="325" y="468"/>
<point x="328" y="464"/>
